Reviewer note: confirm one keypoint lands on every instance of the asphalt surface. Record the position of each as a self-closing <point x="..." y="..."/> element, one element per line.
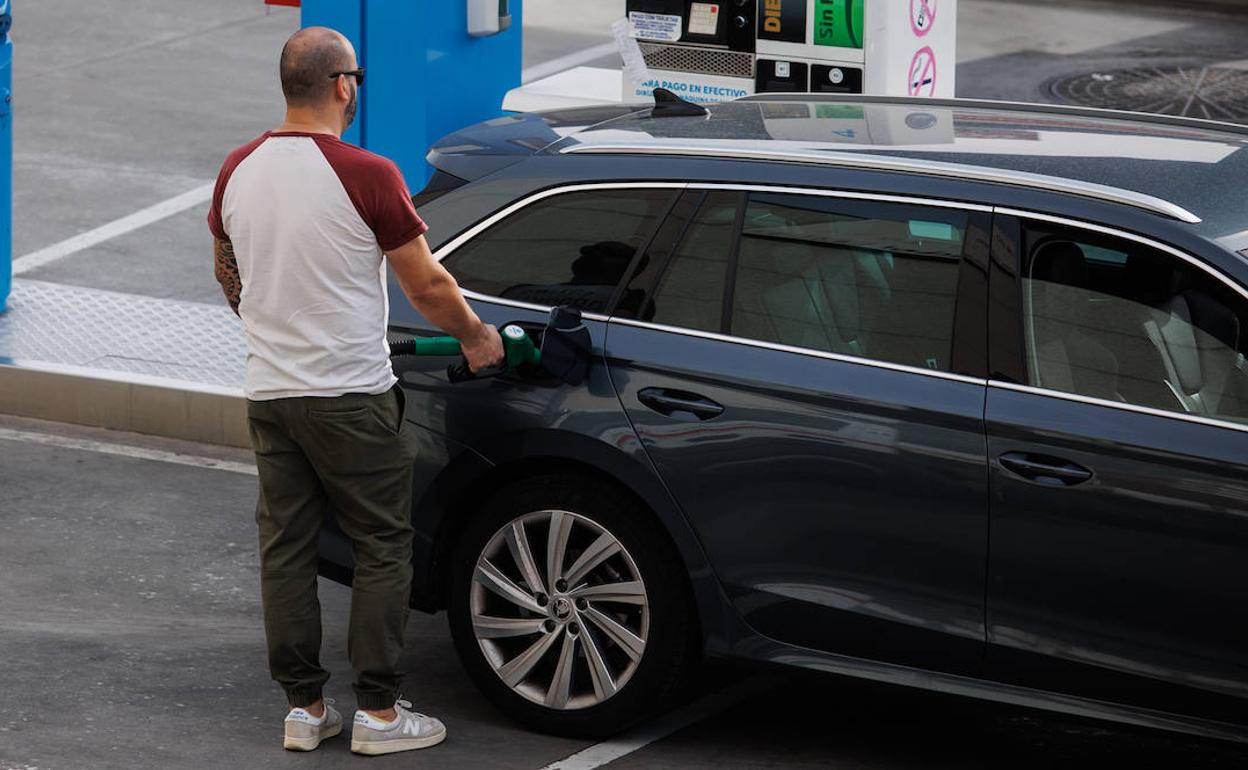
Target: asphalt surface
<point x="131" y="638"/>
<point x="130" y="628"/>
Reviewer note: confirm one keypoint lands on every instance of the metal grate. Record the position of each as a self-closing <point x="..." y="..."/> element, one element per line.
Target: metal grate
<point x="710" y="61"/>
<point x="1196" y="92"/>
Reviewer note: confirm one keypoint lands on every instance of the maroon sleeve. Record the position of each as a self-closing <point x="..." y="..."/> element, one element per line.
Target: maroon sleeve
<point x="376" y="187"/>
<point x="215" y="223"/>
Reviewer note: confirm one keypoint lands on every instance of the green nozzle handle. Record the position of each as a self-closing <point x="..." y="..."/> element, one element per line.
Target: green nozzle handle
<point x="437" y="346"/>
<point x="518" y="350"/>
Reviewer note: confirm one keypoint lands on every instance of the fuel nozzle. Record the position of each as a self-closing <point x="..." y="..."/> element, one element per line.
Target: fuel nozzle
<point x="564" y="352"/>
<point x="518" y="348"/>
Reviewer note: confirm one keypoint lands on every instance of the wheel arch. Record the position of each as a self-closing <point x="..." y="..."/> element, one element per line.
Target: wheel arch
<point x="457" y="493"/>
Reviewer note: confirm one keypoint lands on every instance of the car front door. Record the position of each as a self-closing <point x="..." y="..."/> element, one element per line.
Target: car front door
<point x="1118" y="441"/>
<point x="804" y="371"/>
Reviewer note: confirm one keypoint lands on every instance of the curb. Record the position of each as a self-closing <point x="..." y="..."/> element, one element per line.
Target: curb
<point x="135" y="403"/>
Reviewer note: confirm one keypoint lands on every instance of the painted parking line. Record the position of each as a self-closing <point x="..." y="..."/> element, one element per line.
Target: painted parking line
<point x="129" y="223"/>
<point x="179" y="203"/>
<point x="125" y="450"/>
<point x="657" y="729"/>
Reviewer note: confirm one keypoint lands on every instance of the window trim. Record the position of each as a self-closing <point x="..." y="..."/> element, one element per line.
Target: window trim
<point x="1113" y="232"/>
<point x="1093" y="401"/>
<point x="447" y="248"/>
<point x="800" y="351"/>
<point x="1126" y="235"/>
<point x="450" y="246"/>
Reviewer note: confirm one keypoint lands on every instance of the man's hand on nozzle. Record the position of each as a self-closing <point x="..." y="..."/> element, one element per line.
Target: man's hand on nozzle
<point x="485" y="350"/>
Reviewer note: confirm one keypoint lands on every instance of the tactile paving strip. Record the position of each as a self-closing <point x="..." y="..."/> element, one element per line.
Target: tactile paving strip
<point x="58" y="324"/>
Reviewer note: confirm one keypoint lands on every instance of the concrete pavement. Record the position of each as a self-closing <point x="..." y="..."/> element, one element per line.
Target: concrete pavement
<point x="128" y="585"/>
<point x="121" y="104"/>
<point x="131" y="638"/>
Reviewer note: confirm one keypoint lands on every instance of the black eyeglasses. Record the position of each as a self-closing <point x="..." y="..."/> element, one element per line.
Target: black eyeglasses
<point x="358" y="73"/>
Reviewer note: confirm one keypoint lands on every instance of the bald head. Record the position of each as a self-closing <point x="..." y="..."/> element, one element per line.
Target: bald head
<point x="308" y="59"/>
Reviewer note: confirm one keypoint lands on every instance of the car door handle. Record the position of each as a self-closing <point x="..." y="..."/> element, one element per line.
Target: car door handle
<point x="666" y="402"/>
<point x="1042" y="469"/>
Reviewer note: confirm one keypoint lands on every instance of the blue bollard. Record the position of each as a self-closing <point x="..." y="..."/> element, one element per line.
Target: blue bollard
<point x="426" y="75"/>
<point x="6" y="153"/>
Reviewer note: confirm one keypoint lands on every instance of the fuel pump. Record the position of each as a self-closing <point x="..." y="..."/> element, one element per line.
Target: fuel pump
<point x="726" y="49"/>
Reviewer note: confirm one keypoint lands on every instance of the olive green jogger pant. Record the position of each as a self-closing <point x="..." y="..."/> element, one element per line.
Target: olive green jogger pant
<point x="349" y="455"/>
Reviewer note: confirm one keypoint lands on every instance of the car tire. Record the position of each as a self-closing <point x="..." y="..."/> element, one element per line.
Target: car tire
<point x="595" y="665"/>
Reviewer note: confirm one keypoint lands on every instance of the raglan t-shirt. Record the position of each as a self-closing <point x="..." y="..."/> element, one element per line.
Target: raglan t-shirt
<point x="310" y="217"/>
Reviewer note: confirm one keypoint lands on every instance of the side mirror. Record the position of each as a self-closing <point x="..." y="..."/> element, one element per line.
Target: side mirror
<point x="566" y="346"/>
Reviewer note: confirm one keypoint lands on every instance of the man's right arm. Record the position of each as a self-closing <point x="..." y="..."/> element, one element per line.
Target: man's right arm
<point x="225" y="268"/>
<point x="434" y="292"/>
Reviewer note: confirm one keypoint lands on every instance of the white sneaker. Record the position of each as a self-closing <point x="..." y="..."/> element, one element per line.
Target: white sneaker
<point x="305" y="732"/>
<point x="408" y="731"/>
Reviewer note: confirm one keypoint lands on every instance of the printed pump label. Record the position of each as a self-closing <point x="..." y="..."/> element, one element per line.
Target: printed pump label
<point x="838" y="23"/>
<point x="655" y="26"/>
<point x="782" y="20"/>
<point x="704" y="19"/>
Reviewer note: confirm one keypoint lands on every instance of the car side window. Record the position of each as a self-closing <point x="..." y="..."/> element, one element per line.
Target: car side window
<point x="869" y="279"/>
<point x="1113" y="319"/>
<point x="570" y="249"/>
<point x="690" y="294"/>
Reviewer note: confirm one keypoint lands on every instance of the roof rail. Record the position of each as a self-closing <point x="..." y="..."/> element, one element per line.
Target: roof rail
<point x="993" y="104"/>
<point x="900" y="165"/>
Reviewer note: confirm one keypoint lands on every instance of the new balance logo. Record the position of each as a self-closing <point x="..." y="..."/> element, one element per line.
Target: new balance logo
<point x="411" y="728"/>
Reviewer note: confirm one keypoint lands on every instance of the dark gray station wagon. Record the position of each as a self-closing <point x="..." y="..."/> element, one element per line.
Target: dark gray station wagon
<point x="947" y="394"/>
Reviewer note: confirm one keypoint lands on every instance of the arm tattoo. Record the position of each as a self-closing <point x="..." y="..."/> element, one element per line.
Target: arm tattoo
<point x="226" y="271"/>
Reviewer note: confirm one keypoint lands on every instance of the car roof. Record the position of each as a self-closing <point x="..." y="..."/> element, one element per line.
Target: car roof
<point x="1186" y="169"/>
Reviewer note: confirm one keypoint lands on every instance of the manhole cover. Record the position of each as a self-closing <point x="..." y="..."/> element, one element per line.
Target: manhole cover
<point x="1198" y="92"/>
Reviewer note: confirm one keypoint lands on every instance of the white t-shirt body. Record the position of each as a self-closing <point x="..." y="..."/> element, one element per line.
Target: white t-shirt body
<point x="310" y="218"/>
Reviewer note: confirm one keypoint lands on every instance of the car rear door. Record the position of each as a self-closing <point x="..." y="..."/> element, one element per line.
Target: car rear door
<point x="1118" y="441"/>
<point x="805" y="370"/>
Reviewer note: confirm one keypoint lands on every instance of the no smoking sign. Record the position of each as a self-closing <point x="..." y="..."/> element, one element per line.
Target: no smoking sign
<point x="923" y="73"/>
<point x="922" y="16"/>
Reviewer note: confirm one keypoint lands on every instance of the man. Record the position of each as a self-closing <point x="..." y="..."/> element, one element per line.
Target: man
<point x="301" y="221"/>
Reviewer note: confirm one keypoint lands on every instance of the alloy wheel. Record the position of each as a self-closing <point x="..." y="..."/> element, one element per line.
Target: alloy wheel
<point x="559" y="609"/>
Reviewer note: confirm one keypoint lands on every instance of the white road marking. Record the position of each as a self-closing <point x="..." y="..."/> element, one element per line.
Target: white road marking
<point x="180" y="203"/>
<point x="126" y="224"/>
<point x="124" y="450"/>
<point x="638" y="738"/>
<point x="575" y="59"/>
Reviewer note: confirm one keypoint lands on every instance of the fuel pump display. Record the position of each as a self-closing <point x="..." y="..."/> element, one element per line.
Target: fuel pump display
<point x="712" y="51"/>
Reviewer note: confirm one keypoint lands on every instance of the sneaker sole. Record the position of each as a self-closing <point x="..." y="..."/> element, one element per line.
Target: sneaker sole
<point x="308" y="744"/>
<point x="373" y="748"/>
